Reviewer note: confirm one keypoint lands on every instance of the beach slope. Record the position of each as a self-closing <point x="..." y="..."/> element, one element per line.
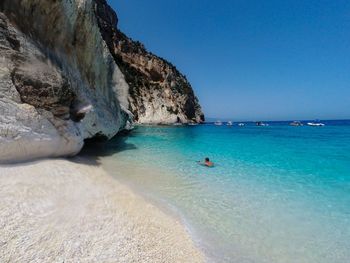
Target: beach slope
<point x="64" y="211"/>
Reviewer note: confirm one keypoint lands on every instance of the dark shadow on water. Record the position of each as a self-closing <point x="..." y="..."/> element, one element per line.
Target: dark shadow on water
<point x="94" y="149"/>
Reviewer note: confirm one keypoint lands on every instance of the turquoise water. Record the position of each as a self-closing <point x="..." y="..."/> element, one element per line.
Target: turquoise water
<point x="277" y="193"/>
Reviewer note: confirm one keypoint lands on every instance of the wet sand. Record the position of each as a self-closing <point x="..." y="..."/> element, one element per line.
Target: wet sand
<point x="64" y="211"/>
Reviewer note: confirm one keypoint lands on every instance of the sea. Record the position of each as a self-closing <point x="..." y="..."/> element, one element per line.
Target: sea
<point x="277" y="193"/>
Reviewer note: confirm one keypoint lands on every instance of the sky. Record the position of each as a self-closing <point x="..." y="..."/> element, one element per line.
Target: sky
<point x="252" y="59"/>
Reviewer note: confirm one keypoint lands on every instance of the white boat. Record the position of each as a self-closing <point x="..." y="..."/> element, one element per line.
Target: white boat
<point x="229" y="123"/>
<point x="259" y="123"/>
<point x="296" y="123"/>
<point x="192" y="124"/>
<point x="319" y="124"/>
<point x="241" y="124"/>
<point x="177" y="124"/>
<point x="218" y="123"/>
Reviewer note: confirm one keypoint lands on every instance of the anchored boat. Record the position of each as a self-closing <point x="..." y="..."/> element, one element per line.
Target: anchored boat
<point x="317" y="124"/>
<point x="259" y="123"/>
<point x="296" y="123"/>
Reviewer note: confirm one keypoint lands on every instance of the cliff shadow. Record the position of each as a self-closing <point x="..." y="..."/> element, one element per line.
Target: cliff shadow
<point x="96" y="148"/>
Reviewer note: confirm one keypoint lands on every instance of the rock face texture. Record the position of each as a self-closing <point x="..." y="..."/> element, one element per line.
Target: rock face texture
<point x="59" y="84"/>
<point x="159" y="93"/>
<point x="68" y="74"/>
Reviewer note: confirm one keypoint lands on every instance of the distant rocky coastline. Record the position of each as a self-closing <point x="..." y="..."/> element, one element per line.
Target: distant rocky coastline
<point x="68" y="74"/>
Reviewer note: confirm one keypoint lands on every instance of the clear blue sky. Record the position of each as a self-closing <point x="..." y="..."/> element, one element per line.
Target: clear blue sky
<point x="252" y="59"/>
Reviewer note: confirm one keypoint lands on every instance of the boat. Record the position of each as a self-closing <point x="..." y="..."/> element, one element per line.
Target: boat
<point x="218" y="123"/>
<point x="229" y="123"/>
<point x="259" y="123"/>
<point x="178" y="122"/>
<point x="241" y="124"/>
<point x="316" y="124"/>
<point x="296" y="123"/>
<point x="192" y="124"/>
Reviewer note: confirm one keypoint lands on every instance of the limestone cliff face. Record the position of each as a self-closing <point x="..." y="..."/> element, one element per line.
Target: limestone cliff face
<point x="59" y="84"/>
<point x="159" y="93"/>
<point x="67" y="74"/>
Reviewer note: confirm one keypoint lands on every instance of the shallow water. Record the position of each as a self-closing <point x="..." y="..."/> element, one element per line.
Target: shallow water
<point x="277" y="193"/>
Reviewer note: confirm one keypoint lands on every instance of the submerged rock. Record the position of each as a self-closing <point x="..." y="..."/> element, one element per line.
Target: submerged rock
<point x="68" y="74"/>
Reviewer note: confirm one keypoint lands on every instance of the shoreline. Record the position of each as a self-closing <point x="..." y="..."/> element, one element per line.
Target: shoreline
<point x="69" y="210"/>
<point x="127" y="168"/>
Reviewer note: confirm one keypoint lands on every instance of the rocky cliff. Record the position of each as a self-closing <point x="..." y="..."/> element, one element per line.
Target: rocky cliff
<point x="159" y="93"/>
<point x="67" y="74"/>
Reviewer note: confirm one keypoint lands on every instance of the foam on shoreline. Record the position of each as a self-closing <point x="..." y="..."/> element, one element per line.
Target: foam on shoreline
<point x="58" y="210"/>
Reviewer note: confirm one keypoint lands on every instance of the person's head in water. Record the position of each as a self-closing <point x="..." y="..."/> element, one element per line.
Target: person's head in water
<point x="208" y="163"/>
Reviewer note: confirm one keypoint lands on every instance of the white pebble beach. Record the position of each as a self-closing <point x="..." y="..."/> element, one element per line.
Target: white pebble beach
<point x="63" y="211"/>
